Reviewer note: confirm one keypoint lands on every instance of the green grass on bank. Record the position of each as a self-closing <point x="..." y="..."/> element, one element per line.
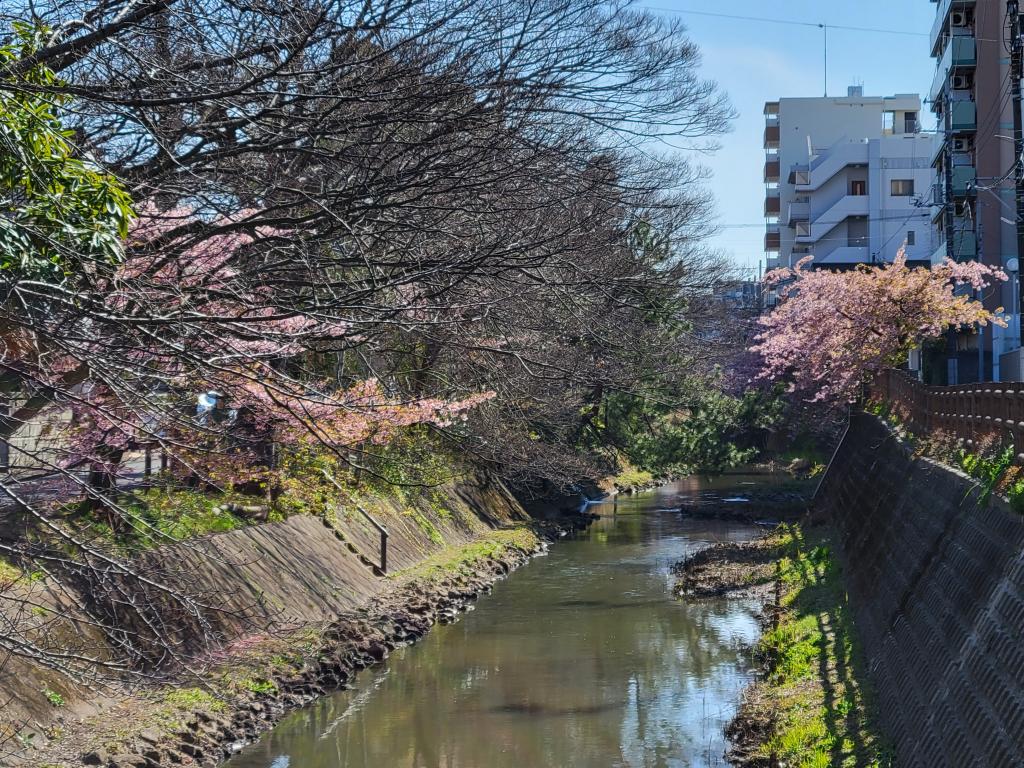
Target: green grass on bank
<point x="815" y="692"/>
<point x="451" y="561"/>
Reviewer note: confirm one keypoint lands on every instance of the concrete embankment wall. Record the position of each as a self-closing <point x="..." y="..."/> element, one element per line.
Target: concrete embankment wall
<point x="260" y="578"/>
<point x="936" y="581"/>
<point x="305" y="570"/>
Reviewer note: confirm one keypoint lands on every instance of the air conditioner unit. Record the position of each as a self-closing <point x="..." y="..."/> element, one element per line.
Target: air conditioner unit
<point x="958" y="18"/>
<point x="961" y="82"/>
<point x="963" y="145"/>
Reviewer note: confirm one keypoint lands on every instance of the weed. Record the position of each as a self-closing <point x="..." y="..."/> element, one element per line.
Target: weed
<point x="823" y="718"/>
<point x="192" y="699"/>
<point x="53" y="697"/>
<point x="425" y="525"/>
<point x="262" y="687"/>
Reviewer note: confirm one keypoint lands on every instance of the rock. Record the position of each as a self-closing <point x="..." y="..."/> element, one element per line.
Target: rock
<point x="799" y="465"/>
<point x="192" y="750"/>
<point x="127" y="761"/>
<point x="150" y="736"/>
<point x="96" y="757"/>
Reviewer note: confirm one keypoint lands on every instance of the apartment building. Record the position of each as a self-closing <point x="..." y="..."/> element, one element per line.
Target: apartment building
<point x="973" y="154"/>
<point x="848" y="180"/>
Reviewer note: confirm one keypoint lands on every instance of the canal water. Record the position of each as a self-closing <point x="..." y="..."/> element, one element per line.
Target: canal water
<point x="581" y="659"/>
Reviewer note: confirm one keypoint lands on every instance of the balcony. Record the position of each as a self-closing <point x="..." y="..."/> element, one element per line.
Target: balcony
<point x="964" y="180"/>
<point x="965" y="244"/>
<point x="941" y="23"/>
<point x="771" y="108"/>
<point x="963" y="116"/>
<point x="772" y="204"/>
<point x="961" y="53"/>
<point x="938" y="148"/>
<point x="771" y="137"/>
<point x="773" y="238"/>
<point x="772" y="169"/>
<point x="798" y="212"/>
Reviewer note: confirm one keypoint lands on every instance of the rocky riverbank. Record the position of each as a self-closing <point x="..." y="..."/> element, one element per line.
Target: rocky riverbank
<point x="260" y="679"/>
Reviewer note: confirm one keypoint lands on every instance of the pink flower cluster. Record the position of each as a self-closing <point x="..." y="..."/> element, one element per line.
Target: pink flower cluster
<point x="833" y="330"/>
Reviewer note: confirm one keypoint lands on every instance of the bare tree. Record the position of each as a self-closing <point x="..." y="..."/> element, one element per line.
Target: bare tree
<point x="346" y="207"/>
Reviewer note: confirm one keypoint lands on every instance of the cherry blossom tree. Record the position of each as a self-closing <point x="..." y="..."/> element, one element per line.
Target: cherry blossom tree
<point x="835" y="329"/>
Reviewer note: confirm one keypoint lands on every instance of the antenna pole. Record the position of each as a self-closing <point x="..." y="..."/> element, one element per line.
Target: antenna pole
<point x="824" y="29"/>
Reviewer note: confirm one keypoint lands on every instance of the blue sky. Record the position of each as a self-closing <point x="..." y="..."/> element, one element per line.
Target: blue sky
<point x="756" y="61"/>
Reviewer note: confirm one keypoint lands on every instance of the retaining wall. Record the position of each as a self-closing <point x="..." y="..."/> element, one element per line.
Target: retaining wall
<point x="936" y="581"/>
<point x="260" y="578"/>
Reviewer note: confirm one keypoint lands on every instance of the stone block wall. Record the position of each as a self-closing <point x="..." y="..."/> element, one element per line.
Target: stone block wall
<point x="936" y="581"/>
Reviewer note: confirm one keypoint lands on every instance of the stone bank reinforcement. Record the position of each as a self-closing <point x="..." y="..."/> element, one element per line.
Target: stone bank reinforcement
<point x="935" y="574"/>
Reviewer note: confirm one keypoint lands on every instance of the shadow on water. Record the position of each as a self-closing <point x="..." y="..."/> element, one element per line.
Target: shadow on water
<point x="581" y="659"/>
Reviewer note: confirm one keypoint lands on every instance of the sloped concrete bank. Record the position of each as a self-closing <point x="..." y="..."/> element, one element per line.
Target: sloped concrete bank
<point x="302" y="608"/>
<point x="935" y="574"/>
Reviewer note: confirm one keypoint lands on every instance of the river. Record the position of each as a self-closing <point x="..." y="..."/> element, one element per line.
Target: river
<point x="581" y="659"/>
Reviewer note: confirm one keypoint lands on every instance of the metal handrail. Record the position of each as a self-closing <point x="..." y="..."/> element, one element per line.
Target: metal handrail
<point x="380" y="528"/>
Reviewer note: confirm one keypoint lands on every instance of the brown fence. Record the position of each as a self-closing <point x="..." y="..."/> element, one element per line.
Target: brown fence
<point x="971" y="412"/>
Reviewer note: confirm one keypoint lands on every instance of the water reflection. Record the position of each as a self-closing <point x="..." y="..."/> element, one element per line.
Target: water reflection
<point x="580" y="660"/>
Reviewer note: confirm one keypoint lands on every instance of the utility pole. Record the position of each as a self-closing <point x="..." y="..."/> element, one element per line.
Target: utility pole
<point x="1016" y="73"/>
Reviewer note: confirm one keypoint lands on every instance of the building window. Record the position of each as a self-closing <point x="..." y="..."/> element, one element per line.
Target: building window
<point x="858" y="187"/>
<point x="910" y="122"/>
<point x="911" y="237"/>
<point x="902" y="187"/>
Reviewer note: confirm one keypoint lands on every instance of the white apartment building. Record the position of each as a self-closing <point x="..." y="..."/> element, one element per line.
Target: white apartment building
<point x="848" y="180"/>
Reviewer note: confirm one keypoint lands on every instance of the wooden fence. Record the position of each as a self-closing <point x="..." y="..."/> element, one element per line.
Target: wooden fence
<point x="972" y="412"/>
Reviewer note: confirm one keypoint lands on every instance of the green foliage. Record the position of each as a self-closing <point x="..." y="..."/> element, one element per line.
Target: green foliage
<point x="822" y="716"/>
<point x="158" y="515"/>
<point x="262" y="687"/>
<point x="711" y="433"/>
<point x="633" y="478"/>
<point x="59" y="213"/>
<point x="988" y="468"/>
<point x="303" y="487"/>
<point x="425" y="525"/>
<point x="415" y="457"/>
<point x="53" y="697"/>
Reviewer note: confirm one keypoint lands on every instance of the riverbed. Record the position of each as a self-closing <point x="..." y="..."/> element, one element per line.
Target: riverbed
<point x="582" y="659"/>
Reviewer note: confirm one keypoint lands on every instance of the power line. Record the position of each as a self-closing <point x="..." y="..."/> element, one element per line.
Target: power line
<point x="796" y="23"/>
<point x="790" y="22"/>
<point x="897" y="217"/>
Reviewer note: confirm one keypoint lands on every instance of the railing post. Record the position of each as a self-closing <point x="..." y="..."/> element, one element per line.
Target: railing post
<point x="384" y="551"/>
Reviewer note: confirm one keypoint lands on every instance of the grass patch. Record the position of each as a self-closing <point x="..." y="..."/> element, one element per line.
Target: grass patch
<point x="494" y="545"/>
<point x="157" y="516"/>
<point x="815" y="692"/>
<point x="633" y="478"/>
<point x="192" y="699"/>
<point x="425" y="525"/>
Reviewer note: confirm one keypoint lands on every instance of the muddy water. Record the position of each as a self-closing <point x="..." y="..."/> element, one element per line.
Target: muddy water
<point x="581" y="659"/>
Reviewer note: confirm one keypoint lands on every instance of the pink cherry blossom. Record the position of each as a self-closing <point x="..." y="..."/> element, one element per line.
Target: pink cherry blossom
<point x="833" y="330"/>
